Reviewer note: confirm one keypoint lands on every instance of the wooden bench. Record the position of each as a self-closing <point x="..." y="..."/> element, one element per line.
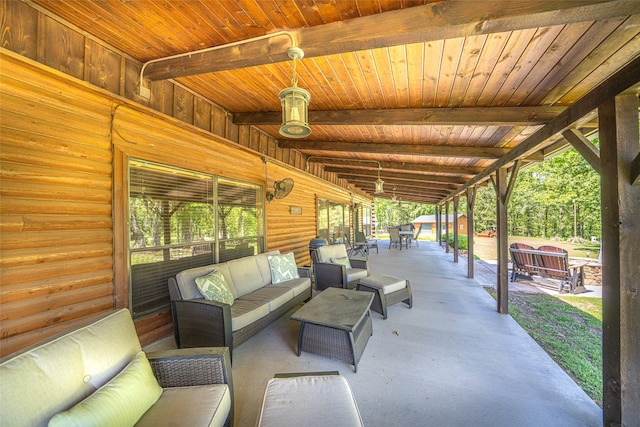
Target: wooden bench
<point x="547" y="261"/>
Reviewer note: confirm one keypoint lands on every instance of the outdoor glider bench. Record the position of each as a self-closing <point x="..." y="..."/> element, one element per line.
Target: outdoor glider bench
<point x="547" y="261"/>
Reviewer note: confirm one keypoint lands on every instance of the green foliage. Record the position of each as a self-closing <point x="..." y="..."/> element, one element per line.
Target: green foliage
<point x="545" y="198"/>
<point x="389" y="213"/>
<point x="463" y="241"/>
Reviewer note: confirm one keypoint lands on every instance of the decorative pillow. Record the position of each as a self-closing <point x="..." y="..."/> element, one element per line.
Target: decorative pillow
<point x="214" y="287"/>
<point x="342" y="261"/>
<point x="120" y="402"/>
<point x="283" y="267"/>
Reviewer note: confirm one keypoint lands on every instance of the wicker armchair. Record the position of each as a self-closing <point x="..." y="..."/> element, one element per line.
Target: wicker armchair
<point x="193" y="367"/>
<point x="328" y="272"/>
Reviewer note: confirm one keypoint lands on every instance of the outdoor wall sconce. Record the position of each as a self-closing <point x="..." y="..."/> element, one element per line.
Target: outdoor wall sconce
<point x="295" y="103"/>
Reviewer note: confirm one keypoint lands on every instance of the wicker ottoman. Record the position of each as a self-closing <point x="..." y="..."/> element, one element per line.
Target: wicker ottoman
<point x="388" y="291"/>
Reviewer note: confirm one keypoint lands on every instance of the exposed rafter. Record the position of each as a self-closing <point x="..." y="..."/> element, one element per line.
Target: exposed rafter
<point x="497" y="116"/>
<point x="406" y="149"/>
<point x="441" y="20"/>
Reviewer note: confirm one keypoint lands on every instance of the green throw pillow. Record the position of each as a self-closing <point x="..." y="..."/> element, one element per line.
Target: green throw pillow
<point x="342" y="261"/>
<point x="283" y="267"/>
<point x="120" y="402"/>
<point x="214" y="287"/>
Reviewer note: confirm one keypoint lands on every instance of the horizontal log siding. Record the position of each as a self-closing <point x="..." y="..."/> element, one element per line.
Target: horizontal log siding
<point x="63" y="233"/>
<point x="56" y="248"/>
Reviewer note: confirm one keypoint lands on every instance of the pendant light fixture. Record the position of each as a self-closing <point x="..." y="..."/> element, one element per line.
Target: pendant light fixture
<point x="379" y="183"/>
<point x="295" y="103"/>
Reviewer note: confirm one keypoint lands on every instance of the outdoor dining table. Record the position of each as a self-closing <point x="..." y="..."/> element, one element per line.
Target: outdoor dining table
<point x="406" y="236"/>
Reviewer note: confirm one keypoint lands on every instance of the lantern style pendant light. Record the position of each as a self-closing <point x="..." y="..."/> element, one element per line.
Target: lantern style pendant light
<point x="379" y="183"/>
<point x="295" y="103"/>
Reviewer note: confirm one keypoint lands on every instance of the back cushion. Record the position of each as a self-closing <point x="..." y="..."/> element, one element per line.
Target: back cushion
<point x="187" y="280"/>
<point x="56" y="375"/>
<point x="325" y="253"/>
<point x="246" y="275"/>
<point x="265" y="268"/>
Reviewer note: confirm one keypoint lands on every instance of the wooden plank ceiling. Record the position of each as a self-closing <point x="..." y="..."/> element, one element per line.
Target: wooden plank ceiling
<point x="435" y="92"/>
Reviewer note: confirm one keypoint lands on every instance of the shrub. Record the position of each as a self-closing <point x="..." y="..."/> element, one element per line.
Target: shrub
<point x="463" y="243"/>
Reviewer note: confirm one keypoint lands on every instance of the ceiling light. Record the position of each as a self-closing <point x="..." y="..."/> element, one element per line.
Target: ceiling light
<point x="379" y="182"/>
<point x="295" y="103"/>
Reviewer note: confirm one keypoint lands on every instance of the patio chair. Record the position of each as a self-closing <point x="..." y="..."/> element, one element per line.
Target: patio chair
<point x="416" y="233"/>
<point x="370" y="243"/>
<point x="394" y="237"/>
<point x="333" y="267"/>
<point x="523" y="262"/>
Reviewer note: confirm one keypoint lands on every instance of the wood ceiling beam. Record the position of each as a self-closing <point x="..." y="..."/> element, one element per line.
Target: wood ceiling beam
<point x="626" y="79"/>
<point x="404" y="166"/>
<point x="494" y="116"/>
<point x="435" y="21"/>
<point x="404" y="149"/>
<point x="342" y="172"/>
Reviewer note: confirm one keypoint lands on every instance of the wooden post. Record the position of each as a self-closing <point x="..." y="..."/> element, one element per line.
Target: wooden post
<point x="438" y="226"/>
<point x="446" y="226"/>
<point x="471" y="198"/>
<point x="456" y="202"/>
<point x="502" y="240"/>
<point x="619" y="146"/>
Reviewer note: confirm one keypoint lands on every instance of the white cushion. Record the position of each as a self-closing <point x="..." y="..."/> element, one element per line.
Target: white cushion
<point x="325" y="253"/>
<point x="298" y="286"/>
<point x="204" y="405"/>
<point x="388" y="284"/>
<point x="245" y="312"/>
<point x="315" y="400"/>
<point x="272" y="295"/>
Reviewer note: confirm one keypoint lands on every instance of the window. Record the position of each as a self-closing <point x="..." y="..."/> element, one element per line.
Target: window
<point x="366" y="221"/>
<point x="333" y="221"/>
<point x="175" y="223"/>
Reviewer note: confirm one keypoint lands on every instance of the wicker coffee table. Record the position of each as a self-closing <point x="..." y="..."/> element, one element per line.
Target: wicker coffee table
<point x="336" y="324"/>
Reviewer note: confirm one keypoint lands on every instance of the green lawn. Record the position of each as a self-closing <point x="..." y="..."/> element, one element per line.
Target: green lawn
<point x="569" y="329"/>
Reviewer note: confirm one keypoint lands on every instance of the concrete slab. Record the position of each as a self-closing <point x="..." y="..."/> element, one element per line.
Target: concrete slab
<point x="452" y="360"/>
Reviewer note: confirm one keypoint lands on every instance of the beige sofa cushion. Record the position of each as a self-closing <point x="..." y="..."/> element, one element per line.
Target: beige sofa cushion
<point x="205" y="405"/>
<point x="69" y="368"/>
<point x="325" y="253"/>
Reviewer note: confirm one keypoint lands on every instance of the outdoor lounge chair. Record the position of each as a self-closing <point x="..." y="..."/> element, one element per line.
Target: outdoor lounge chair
<point x="554" y="263"/>
<point x="332" y="267"/>
<point x="369" y="243"/>
<point x="416" y="233"/>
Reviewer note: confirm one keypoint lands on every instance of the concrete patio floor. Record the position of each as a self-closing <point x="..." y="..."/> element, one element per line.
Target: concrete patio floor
<point x="452" y="360"/>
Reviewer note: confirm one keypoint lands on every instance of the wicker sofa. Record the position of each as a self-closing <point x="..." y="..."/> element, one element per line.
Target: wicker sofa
<point x="98" y="375"/>
<point x="257" y="301"/>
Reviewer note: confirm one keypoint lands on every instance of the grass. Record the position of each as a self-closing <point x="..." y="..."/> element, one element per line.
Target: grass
<point x="569" y="329"/>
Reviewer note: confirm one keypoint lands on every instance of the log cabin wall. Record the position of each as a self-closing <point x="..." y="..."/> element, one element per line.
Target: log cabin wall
<point x="65" y="134"/>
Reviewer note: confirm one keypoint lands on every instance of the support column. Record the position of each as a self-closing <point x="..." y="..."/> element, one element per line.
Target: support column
<point x="502" y="240"/>
<point x="446" y="226"/>
<point x="619" y="149"/>
<point x="471" y="198"/>
<point x="438" y="226"/>
<point x="456" y="202"/>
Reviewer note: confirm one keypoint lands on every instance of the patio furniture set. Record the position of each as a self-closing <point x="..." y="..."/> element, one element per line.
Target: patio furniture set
<point x="404" y="234"/>
<point x="98" y="373"/>
<point x="547" y="261"/>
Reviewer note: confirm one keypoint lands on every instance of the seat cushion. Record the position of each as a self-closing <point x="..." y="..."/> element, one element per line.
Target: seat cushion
<point x="388" y="284"/>
<point x="355" y="274"/>
<point x="315" y="400"/>
<point x="245" y="312"/>
<point x="204" y="405"/>
<point x="272" y="295"/>
<point x="298" y="286"/>
<point x="246" y="275"/>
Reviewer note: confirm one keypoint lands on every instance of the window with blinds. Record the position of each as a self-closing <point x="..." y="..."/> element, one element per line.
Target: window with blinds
<point x="176" y="222"/>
